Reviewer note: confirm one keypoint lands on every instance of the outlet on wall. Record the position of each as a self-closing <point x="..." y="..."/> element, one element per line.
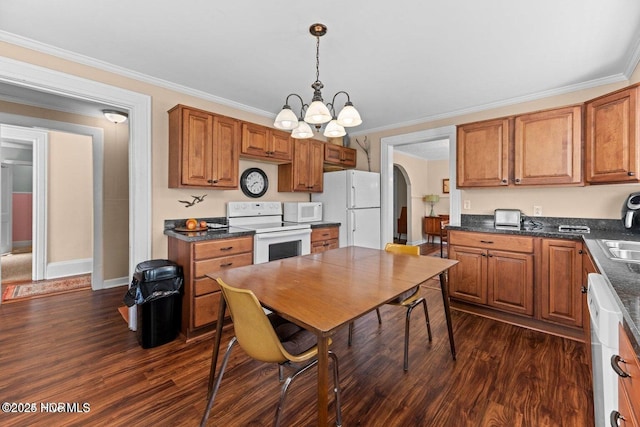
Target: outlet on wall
<point x="467" y="204"/>
<point x="537" y="211"/>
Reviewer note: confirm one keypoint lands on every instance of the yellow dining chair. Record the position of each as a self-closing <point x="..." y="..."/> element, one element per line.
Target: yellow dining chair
<point x="269" y="339"/>
<point x="409" y="299"/>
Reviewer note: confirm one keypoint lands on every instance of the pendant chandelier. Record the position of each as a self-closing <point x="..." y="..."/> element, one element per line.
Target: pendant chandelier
<point x="317" y="113"/>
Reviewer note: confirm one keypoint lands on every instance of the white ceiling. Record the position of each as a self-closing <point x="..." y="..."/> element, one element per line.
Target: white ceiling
<point x="402" y="62"/>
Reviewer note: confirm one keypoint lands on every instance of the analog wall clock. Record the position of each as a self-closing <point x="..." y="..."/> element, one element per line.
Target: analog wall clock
<point x="254" y="182"/>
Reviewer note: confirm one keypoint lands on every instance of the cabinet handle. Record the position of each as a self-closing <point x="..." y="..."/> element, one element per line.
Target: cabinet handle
<point x="484" y="255"/>
<point x="229" y="264"/>
<point x="614" y="417"/>
<point x="584" y="289"/>
<point x="228" y="248"/>
<point x="615" y="359"/>
<point x="212" y="181"/>
<point x="631" y="173"/>
<point x="504" y="181"/>
<point x="517" y="180"/>
<point x="580" y="251"/>
<point x="486" y="241"/>
<point x="325" y="234"/>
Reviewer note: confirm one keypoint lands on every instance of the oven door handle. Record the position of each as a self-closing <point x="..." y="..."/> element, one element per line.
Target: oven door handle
<point x="279" y="234"/>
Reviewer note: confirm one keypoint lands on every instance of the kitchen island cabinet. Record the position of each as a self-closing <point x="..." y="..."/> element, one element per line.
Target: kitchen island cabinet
<point x="612" y="146"/>
<point x="305" y="173"/>
<point x="203" y="149"/>
<point x="201" y="294"/>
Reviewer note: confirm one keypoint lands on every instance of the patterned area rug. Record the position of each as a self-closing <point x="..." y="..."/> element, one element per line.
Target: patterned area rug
<point x="45" y="287"/>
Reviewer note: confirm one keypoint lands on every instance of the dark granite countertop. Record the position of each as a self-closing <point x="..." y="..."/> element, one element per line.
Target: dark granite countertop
<point x="321" y="224"/>
<point x="622" y="277"/>
<point x="210" y="234"/>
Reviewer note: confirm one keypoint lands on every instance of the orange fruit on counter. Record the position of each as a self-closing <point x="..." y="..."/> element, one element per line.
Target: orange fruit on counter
<point x="203" y="224"/>
<point x="191" y="223"/>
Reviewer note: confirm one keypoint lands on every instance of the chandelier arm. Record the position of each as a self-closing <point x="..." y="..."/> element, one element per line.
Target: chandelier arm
<point x="303" y="106"/>
<point x="338" y="93"/>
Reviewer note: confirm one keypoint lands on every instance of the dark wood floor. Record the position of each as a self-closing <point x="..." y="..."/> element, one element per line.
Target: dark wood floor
<point x="76" y="348"/>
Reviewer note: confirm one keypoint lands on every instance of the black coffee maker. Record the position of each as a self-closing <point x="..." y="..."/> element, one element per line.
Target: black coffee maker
<point x="631" y="212"/>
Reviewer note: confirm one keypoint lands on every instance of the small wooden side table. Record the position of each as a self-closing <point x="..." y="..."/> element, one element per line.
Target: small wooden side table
<point x="431" y="226"/>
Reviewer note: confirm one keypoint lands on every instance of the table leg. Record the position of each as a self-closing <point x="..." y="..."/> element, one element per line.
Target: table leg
<point x="216" y="342"/>
<point x="444" y="287"/>
<point x="323" y="381"/>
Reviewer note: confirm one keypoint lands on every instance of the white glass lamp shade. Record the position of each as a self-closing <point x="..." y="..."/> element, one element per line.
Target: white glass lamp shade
<point x="334" y="130"/>
<point x="349" y="116"/>
<point x="303" y="131"/>
<point x="286" y="119"/>
<point x="317" y="113"/>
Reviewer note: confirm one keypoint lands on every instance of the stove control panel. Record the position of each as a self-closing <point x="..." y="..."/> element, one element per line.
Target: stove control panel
<point x="244" y="209"/>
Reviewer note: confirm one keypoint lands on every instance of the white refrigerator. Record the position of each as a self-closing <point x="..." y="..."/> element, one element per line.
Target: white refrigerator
<point x="352" y="198"/>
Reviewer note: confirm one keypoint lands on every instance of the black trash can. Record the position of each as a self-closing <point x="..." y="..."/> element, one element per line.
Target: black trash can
<point x="156" y="289"/>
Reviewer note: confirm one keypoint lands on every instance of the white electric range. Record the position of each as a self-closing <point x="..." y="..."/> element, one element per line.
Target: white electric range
<point x="274" y="238"/>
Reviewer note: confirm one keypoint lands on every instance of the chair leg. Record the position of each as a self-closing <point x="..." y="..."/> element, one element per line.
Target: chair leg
<point x="285" y="388"/>
<point x="379" y="318"/>
<point x="212" y="396"/>
<point x="350" y="333"/>
<point x="407" y="325"/>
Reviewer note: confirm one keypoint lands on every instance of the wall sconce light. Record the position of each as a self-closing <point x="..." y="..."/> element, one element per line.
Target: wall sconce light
<point x="115" y="116"/>
<point x="431" y="199"/>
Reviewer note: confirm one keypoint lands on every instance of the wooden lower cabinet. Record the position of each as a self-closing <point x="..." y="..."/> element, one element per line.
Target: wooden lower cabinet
<point x="324" y="238"/>
<point x="202" y="295"/>
<point x="501" y="278"/>
<point x="530" y="281"/>
<point x="628" y="385"/>
<point x="561" y="282"/>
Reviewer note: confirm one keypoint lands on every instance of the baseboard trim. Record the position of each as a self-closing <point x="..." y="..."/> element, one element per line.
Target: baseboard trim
<point x="114" y="283"/>
<point x="69" y="268"/>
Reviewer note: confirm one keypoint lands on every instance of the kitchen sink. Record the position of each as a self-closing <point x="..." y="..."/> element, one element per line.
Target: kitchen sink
<point x="621" y="250"/>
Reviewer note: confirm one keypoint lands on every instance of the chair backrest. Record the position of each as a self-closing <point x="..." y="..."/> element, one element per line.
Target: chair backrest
<point x="402" y="220"/>
<point x="402" y="249"/>
<point x="255" y="333"/>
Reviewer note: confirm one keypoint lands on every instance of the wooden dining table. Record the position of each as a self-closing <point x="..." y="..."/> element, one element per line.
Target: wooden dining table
<point x="324" y="292"/>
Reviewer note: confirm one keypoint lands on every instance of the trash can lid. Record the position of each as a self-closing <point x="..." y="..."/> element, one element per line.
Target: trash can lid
<point x="157" y="269"/>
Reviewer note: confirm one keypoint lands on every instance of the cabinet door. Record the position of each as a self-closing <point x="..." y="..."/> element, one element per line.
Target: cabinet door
<point x="301" y="166"/>
<point x="548" y="147"/>
<point x="281" y="145"/>
<point x="341" y="157"/>
<point x="611" y="146"/>
<point x="483" y="154"/>
<point x="468" y="278"/>
<point x="226" y="158"/>
<point x="510" y="282"/>
<point x="561" y="297"/>
<point x="197" y="148"/>
<point x="316" y="153"/>
<point x="254" y="140"/>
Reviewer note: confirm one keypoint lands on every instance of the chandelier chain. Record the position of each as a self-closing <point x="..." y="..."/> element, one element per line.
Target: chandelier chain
<point x="317" y="59"/>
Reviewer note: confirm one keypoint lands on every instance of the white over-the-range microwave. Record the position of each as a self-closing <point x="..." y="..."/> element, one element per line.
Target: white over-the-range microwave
<point x="302" y="211"/>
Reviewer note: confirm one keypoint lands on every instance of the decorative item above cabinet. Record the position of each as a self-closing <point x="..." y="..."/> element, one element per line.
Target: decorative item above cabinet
<point x="204" y="149"/>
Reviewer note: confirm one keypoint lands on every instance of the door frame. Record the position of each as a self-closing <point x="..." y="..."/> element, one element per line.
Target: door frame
<point x="386" y="173"/>
<point x="139" y="108"/>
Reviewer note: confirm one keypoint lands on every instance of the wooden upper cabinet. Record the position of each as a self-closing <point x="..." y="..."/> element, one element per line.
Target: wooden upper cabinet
<point x="263" y="143"/>
<point x="612" y="149"/>
<point x="337" y="157"/>
<point x="548" y="147"/>
<point x="305" y="172"/>
<point x="483" y="154"/>
<point x="203" y="149"/>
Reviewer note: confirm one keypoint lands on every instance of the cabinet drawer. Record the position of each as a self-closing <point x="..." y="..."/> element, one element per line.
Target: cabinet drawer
<point x="203" y="267"/>
<point x="324" y="246"/>
<point x="224" y="247"/>
<point x="491" y="241"/>
<point x="205" y="309"/>
<point x="205" y="285"/>
<point x="324" y="233"/>
<point x="631" y="366"/>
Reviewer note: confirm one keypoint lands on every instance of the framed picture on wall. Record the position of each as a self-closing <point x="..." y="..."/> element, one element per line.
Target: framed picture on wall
<point x="445" y="186"/>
